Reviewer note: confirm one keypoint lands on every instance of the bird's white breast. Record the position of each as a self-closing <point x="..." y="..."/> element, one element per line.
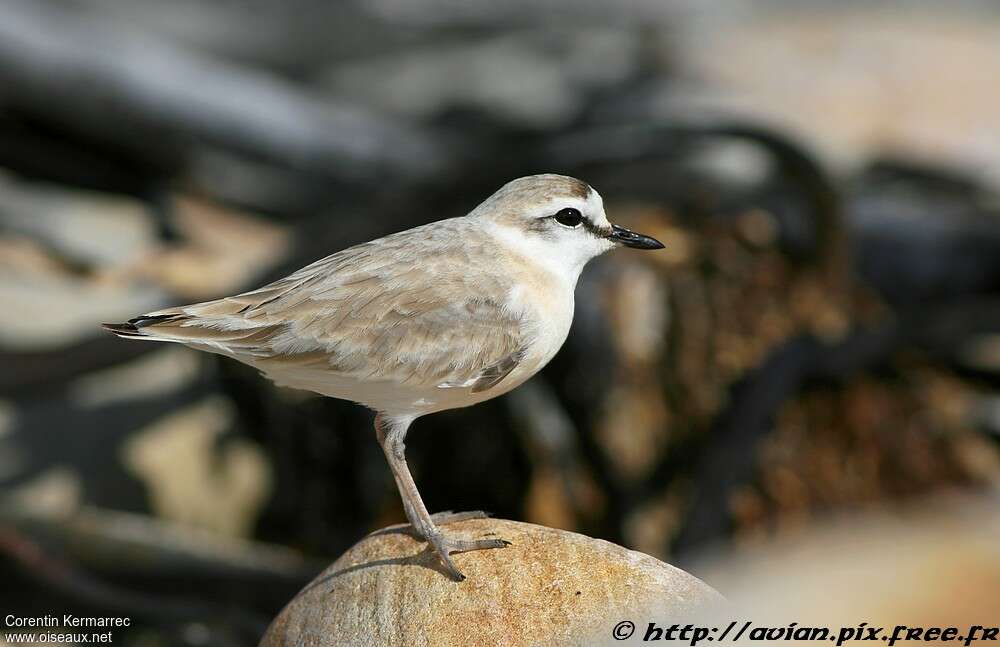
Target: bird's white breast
<point x="542" y="293"/>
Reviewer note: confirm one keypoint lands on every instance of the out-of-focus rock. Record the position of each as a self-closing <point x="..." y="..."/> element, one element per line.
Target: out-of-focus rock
<point x="549" y="587"/>
<point x="195" y="478"/>
<point x="936" y="563"/>
<point x="43" y="312"/>
<point x="52" y="237"/>
<point x="85" y="226"/>
<point x="540" y="78"/>
<point x="224" y="251"/>
<point x="915" y="83"/>
<point x="72" y="258"/>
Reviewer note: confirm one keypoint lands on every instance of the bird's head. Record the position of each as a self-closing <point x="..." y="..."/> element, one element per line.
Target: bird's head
<point x="556" y="219"/>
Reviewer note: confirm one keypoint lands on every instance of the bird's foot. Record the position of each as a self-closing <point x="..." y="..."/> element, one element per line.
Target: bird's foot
<point x="444" y="546"/>
<point x="446" y="517"/>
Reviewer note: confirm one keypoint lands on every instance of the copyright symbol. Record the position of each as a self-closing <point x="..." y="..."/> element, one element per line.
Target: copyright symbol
<point x="623" y="630"/>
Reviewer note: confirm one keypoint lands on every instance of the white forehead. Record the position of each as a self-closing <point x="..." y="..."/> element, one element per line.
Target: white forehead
<point x="592" y="207"/>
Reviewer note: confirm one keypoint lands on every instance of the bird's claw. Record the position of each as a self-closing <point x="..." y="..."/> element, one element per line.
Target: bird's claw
<point x="445" y="546"/>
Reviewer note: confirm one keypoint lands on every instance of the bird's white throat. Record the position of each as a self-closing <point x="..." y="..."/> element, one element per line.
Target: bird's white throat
<point x="561" y="259"/>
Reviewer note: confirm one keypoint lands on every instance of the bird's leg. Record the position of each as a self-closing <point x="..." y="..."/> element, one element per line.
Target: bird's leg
<point x="391" y="433"/>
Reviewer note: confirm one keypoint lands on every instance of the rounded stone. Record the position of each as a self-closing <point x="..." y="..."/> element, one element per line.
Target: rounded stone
<point x="549" y="587"/>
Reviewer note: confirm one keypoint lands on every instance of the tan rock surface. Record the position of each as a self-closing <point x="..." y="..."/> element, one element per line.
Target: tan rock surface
<point x="550" y="587"/>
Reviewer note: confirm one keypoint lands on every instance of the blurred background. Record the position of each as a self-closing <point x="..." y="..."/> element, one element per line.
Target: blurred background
<point x="820" y="338"/>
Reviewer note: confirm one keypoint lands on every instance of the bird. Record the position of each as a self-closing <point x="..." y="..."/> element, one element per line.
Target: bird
<point x="440" y="316"/>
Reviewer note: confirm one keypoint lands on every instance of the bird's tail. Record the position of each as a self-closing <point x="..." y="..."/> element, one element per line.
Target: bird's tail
<point x="214" y="326"/>
<point x="143" y="327"/>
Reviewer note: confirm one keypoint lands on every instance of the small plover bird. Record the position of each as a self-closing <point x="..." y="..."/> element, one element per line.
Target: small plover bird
<point x="437" y="317"/>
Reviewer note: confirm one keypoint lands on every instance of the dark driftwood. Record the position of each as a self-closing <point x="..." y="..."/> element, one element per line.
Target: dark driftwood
<point x="124" y="563"/>
<point x="103" y="82"/>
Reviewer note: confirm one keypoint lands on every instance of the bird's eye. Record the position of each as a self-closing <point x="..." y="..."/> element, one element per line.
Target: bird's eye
<point x="569" y="217"/>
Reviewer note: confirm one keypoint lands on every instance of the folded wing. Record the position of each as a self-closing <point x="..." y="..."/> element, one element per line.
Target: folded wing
<point x="412" y="308"/>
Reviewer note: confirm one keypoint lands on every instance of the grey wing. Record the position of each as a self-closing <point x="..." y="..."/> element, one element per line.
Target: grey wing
<point x="385" y="311"/>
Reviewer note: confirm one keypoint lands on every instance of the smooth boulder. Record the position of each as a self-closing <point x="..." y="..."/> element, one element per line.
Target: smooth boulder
<point x="549" y="587"/>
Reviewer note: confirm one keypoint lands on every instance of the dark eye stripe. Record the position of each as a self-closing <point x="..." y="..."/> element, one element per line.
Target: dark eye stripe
<point x="594" y="229"/>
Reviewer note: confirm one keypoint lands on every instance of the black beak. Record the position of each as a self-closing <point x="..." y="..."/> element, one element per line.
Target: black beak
<point x="632" y="239"/>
